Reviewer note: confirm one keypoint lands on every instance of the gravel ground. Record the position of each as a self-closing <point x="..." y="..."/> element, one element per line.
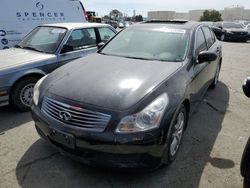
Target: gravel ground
<point x="209" y="156"/>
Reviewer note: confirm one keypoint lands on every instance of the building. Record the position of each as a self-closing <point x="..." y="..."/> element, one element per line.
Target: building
<point x="195" y="15"/>
<point x="182" y="15"/>
<point x="169" y="15"/>
<point x="246" y="14"/>
<point x="231" y="13"/>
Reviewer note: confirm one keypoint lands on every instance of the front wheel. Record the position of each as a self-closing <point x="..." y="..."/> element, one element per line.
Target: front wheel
<point x="246" y="183"/>
<point x="174" y="137"/>
<point x="22" y="93"/>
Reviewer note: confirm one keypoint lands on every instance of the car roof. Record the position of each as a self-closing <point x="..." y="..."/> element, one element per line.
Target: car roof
<point x="76" y="25"/>
<point x="172" y="24"/>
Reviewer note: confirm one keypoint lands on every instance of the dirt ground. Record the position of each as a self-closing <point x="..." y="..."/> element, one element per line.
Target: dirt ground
<point x="209" y="156"/>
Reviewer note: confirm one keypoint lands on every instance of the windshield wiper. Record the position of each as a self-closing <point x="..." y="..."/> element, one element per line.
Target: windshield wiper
<point x="32" y="48"/>
<point x="18" y="46"/>
<point x="102" y="53"/>
<point x="141" y="58"/>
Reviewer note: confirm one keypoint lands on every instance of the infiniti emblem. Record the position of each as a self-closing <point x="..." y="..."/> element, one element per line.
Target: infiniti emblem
<point x="66" y="116"/>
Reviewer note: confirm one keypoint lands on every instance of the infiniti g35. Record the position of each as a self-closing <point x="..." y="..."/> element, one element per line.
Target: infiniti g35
<point x="128" y="105"/>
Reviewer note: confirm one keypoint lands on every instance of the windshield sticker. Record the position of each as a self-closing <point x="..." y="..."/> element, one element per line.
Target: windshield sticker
<point x="57" y="31"/>
<point x="168" y="30"/>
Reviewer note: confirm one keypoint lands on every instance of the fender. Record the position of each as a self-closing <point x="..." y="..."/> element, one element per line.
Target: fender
<point x="24" y="73"/>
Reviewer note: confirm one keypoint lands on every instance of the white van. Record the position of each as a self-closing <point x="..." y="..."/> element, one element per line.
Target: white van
<point x="19" y="17"/>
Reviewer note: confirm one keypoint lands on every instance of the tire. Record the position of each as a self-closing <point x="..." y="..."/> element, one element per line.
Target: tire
<point x="246" y="183"/>
<point x="216" y="78"/>
<point x="22" y="93"/>
<point x="178" y="122"/>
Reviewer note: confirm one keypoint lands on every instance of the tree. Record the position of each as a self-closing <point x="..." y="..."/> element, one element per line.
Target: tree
<point x="215" y="16"/>
<point x="106" y="17"/>
<point x="115" y="14"/>
<point x="138" y="18"/>
<point x="128" y="19"/>
<point x="212" y="16"/>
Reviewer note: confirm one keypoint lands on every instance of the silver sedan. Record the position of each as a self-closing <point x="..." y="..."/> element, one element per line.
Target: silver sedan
<point x="43" y="50"/>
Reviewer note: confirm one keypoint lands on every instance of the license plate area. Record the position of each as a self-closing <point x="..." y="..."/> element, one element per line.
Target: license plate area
<point x="63" y="138"/>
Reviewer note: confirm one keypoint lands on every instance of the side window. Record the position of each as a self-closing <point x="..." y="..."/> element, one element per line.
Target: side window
<point x="105" y="33"/>
<point x="200" y="42"/>
<point x="76" y="35"/>
<point x="82" y="39"/>
<point x="208" y="36"/>
<point x="213" y="35"/>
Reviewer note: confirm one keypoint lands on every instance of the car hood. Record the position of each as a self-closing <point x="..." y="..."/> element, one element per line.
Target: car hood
<point x="15" y="57"/>
<point x="109" y="82"/>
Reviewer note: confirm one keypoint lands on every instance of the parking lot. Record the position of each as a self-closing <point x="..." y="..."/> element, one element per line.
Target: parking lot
<point x="209" y="156"/>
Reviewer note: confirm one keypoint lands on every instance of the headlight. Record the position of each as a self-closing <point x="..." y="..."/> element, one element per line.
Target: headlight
<point x="36" y="91"/>
<point x="147" y="119"/>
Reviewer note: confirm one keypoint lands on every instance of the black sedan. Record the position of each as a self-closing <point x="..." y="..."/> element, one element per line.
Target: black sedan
<point x="230" y="31"/>
<point x="245" y="162"/>
<point x="128" y="105"/>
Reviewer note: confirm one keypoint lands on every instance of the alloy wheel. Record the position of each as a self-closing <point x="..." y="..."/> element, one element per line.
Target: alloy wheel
<point x="177" y="133"/>
<point x="26" y="94"/>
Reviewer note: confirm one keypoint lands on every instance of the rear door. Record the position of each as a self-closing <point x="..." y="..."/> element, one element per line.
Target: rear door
<point x="81" y="42"/>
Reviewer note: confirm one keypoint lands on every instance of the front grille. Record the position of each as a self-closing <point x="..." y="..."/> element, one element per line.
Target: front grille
<point x="87" y="119"/>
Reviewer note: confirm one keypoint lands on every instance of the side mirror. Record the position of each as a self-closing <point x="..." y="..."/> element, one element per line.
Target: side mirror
<point x="206" y="56"/>
<point x="67" y="48"/>
<point x="220" y="27"/>
<point x="246" y="87"/>
<point x="100" y="45"/>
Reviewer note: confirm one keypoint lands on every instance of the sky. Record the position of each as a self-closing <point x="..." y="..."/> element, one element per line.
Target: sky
<point x="103" y="7"/>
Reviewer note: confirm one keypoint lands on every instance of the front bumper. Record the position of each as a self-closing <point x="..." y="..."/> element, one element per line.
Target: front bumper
<point x="106" y="148"/>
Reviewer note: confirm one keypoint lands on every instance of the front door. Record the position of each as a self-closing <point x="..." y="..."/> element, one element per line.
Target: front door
<point x="199" y="70"/>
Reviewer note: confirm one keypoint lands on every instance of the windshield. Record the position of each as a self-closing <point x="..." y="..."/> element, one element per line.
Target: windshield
<point x="159" y="44"/>
<point x="232" y="25"/>
<point x="43" y="39"/>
